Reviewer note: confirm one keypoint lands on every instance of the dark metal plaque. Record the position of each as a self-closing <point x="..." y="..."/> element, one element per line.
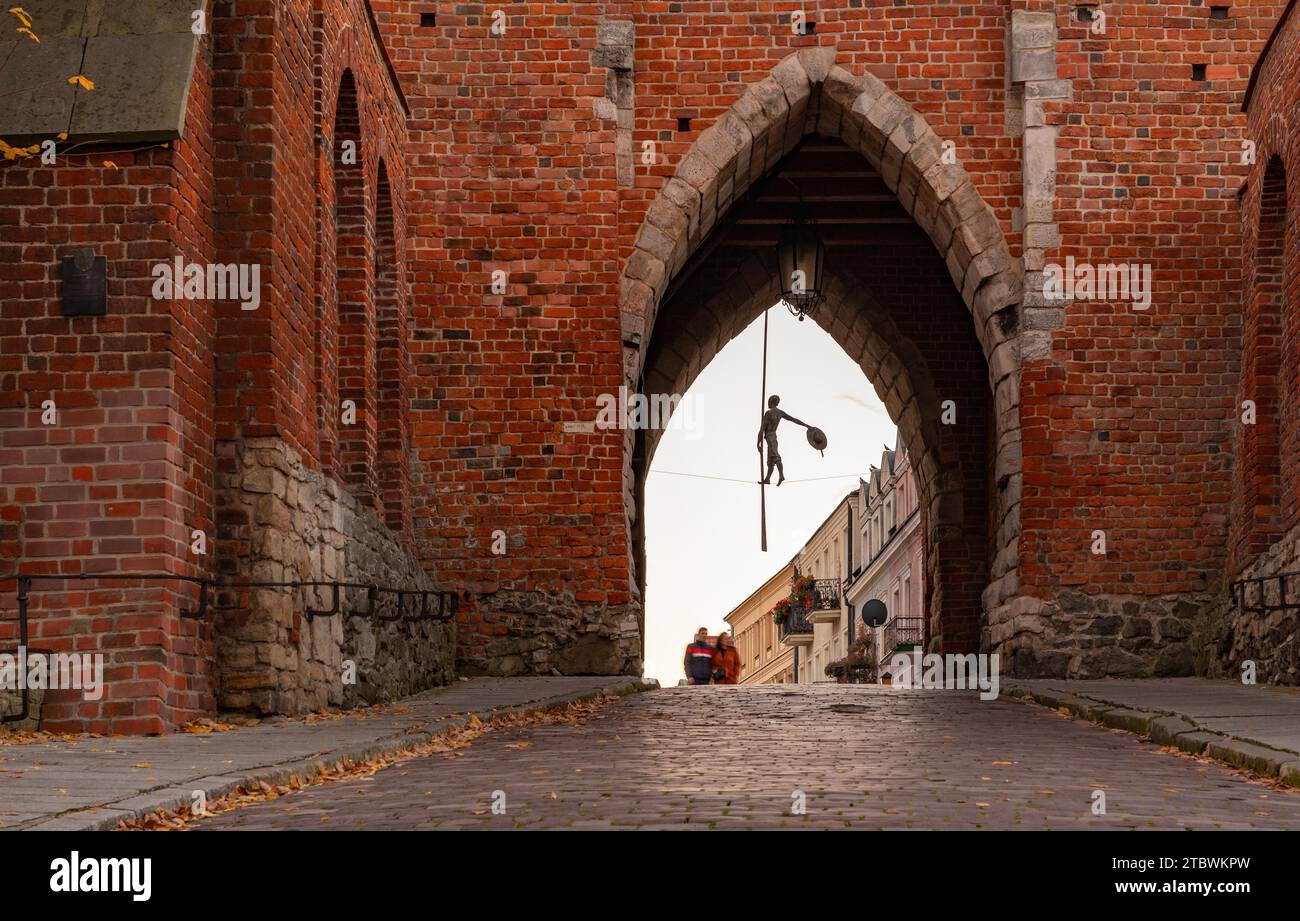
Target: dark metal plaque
<point x="85" y="285"/>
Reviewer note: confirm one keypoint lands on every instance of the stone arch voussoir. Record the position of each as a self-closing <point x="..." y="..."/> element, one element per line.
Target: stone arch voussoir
<point x="808" y="91"/>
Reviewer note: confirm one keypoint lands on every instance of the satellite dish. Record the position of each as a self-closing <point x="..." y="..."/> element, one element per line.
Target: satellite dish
<point x="817" y="438"/>
<point x="874" y="613"/>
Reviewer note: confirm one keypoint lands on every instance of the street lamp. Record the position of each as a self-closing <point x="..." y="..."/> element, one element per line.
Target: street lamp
<point x="801" y="261"/>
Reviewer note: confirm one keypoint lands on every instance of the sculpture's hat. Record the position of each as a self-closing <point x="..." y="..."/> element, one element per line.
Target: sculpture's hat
<point x="817" y="438"/>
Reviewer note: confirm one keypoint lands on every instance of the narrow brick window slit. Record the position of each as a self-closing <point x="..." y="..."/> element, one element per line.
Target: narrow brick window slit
<point x="683" y="124"/>
<point x="1199" y="73"/>
<point x="1220" y="12"/>
<point x="428" y="20"/>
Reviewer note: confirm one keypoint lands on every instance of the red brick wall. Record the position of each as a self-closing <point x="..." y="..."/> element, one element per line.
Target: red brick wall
<point x="1268" y="498"/>
<point x="155" y="397"/>
<point x="310" y="219"/>
<point x="1265" y="522"/>
<point x="276" y="104"/>
<point x="125" y="475"/>
<point x="1129" y="428"/>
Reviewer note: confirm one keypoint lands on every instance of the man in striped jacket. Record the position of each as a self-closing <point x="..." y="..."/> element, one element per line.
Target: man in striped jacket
<point x="699" y="658"/>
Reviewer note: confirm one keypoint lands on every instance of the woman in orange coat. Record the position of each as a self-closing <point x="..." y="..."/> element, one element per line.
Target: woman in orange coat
<point x="726" y="661"/>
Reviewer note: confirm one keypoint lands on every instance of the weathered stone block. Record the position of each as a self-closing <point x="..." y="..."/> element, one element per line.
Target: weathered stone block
<point x="1031" y="29"/>
<point x="1033" y="64"/>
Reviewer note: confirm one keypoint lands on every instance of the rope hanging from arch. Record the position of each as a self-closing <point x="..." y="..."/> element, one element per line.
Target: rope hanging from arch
<point x="771" y="418"/>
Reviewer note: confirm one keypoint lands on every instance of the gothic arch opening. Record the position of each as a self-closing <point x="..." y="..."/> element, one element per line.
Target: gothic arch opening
<point x="391" y="362"/>
<point x="1259" y="472"/>
<point x="921" y="292"/>
<point x="355" y="294"/>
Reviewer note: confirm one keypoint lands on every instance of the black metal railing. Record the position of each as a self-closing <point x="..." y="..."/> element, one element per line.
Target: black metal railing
<point x="796" y="623"/>
<point x="1256" y="595"/>
<point x="826" y="595"/>
<point x="426" y="604"/>
<point x="816" y="594"/>
<point x="902" y="631"/>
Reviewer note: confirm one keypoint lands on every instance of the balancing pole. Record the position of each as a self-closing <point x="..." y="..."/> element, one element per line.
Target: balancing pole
<point x="762" y="408"/>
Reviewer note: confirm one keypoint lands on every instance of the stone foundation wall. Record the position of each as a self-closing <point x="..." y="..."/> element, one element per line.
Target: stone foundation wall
<point x="1226" y="637"/>
<point x="1098" y="636"/>
<point x="282" y="521"/>
<point x="532" y="633"/>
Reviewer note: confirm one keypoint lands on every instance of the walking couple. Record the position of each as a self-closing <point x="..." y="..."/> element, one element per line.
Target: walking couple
<point x="706" y="663"/>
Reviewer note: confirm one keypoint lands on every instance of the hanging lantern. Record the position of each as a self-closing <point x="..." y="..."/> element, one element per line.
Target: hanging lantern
<point x="801" y="259"/>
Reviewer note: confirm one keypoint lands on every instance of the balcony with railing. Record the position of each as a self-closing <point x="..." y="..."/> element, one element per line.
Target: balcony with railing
<point x="901" y="633"/>
<point x="823" y="601"/>
<point x="796" y="628"/>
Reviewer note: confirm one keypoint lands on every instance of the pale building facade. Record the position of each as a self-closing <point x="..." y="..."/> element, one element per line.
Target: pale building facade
<point x="827" y="557"/>
<point x="871" y="545"/>
<point x="765" y="659"/>
<point x="892" y="548"/>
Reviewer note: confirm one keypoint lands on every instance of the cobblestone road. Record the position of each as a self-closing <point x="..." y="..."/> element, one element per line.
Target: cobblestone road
<point x="735" y="757"/>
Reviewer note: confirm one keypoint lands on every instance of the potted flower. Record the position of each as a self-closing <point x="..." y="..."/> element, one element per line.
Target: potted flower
<point x="854" y="668"/>
<point x="803" y="592"/>
<point x="781" y="611"/>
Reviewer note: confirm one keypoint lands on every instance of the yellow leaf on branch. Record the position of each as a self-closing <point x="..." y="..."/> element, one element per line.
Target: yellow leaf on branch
<point x="22" y="16"/>
<point x="15" y="153"/>
<point x="82" y="81"/>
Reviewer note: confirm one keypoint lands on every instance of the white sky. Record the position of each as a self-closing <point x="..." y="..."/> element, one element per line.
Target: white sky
<point x="702" y="536"/>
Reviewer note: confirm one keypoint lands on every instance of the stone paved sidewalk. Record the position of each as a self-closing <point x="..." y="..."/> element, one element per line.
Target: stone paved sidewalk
<point x="95" y="783"/>
<point x="1254" y="727"/>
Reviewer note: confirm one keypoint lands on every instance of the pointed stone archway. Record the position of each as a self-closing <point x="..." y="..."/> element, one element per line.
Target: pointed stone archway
<point x="809" y="94"/>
